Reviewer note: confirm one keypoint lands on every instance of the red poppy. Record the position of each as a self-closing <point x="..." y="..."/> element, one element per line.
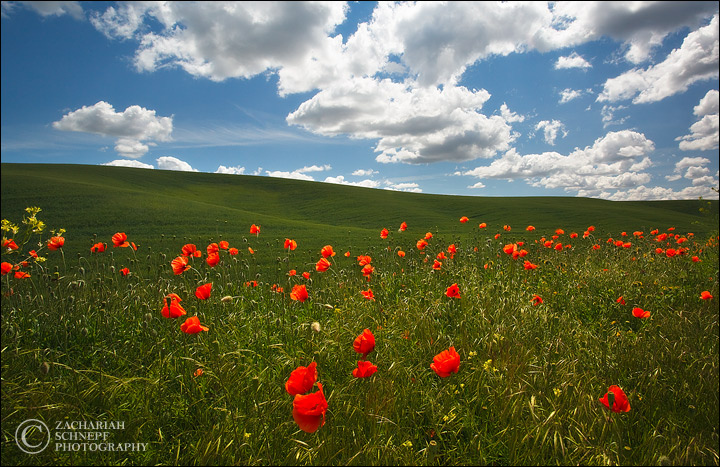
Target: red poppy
<point x="529" y="265"/>
<point x="506" y="228"/>
<point x="401" y="253"/>
<point x="192" y="326"/>
<point x="306" y="275"/>
<point x="55" y="242"/>
<point x="364" y="343"/>
<point x="705" y="295"/>
<point x="290" y="244"/>
<point x="120" y="240"/>
<point x="464" y="219"/>
<point x="309" y="410"/>
<point x="292" y="272"/>
<point x="172" y="308"/>
<point x="255" y="229"/>
<point x="212" y="259"/>
<point x="125" y="271"/>
<point x="368" y="294"/>
<point x="403" y="227"/>
<point x="421" y="244"/>
<point x="591" y="228"/>
<point x="559" y="231"/>
<point x="322" y="265"/>
<point x="596" y="247"/>
<point x="364" y="259"/>
<point x="453" y="291"/>
<point x="180" y="265"/>
<point x="437" y="265"/>
<point x="21" y="275"/>
<point x="558" y="247"/>
<point x="6" y="267"/>
<point x="510" y="248"/>
<point x="302" y="379"/>
<point x="529" y="228"/>
<point x="620" y="300"/>
<point x="190" y="249"/>
<point x="233" y="251"/>
<point x="482" y="225"/>
<point x="299" y="293"/>
<point x="199" y="372"/>
<point x="536" y="300"/>
<point x="497" y="235"/>
<point x="446" y="362"/>
<point x="364" y="369"/>
<point x="98" y="247"/>
<point x="203" y="292"/>
<point x="452" y="249"/>
<point x="428" y="236"/>
<point x="384" y="233"/>
<point x="251" y="283"/>
<point x="327" y="251"/>
<point x="10" y="244"/>
<point x="640" y="313"/>
<point x="620" y="401"/>
<point x="573" y="235"/>
<point x="212" y="248"/>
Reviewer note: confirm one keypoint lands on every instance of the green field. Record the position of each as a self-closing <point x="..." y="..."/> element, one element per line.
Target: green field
<point x="82" y="341"/>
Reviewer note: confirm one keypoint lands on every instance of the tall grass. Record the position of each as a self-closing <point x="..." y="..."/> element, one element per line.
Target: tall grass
<point x="81" y="341"/>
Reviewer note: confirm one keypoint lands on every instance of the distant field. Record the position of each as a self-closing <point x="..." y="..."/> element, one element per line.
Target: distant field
<point x="152" y="206"/>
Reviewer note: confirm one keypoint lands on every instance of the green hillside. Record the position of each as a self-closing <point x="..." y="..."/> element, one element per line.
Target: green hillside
<point x="152" y="206"/>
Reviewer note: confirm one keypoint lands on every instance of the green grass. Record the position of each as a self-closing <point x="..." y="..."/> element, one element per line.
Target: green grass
<point x="80" y="341"/>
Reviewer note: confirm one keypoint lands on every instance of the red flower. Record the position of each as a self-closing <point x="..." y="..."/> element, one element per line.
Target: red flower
<point x="10" y="244"/>
<point x="437" y="265"/>
<point x="180" y="265"/>
<point x="364" y="369"/>
<point x="367" y="270"/>
<point x="620" y="300"/>
<point x="705" y="295"/>
<point x="172" y="308"/>
<point x="203" y="292"/>
<point x="306" y="275"/>
<point x="620" y="401"/>
<point x="596" y="247"/>
<point x="233" y="251"/>
<point x="98" y="247"/>
<point x="536" y="300"/>
<point x="401" y="253"/>
<point x="21" y="275"/>
<point x="224" y="245"/>
<point x="125" y="271"/>
<point x="464" y="219"/>
<point x="309" y="410"/>
<point x="255" y="229"/>
<point x="212" y="248"/>
<point x="403" y="227"/>
<point x="192" y="326"/>
<point x="6" y="267"/>
<point x="364" y="343"/>
<point x="212" y="259"/>
<point x="55" y="242"/>
<point x="120" y="240"/>
<point x="368" y="294"/>
<point x="529" y="228"/>
<point x="529" y="265"/>
<point x="482" y="225"/>
<point x="363" y="260"/>
<point x="190" y="249"/>
<point x="506" y="228"/>
<point x="695" y="259"/>
<point x="453" y="291"/>
<point x="446" y="362"/>
<point x="299" y="293"/>
<point x="322" y="265"/>
<point x="290" y="244"/>
<point x="428" y="236"/>
<point x="302" y="379"/>
<point x="327" y="251"/>
<point x="640" y="313"/>
<point x="384" y="233"/>
<point x="421" y="244"/>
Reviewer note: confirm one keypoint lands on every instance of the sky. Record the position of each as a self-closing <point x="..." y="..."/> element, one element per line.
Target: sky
<point x="610" y="100"/>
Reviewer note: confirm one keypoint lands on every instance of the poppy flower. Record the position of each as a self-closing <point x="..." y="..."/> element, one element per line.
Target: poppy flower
<point x="558" y="247"/>
<point x="255" y="229"/>
<point x="203" y="292"/>
<point x="322" y="265"/>
<point x="364" y="369"/>
<point x="437" y="265"/>
<point x="401" y="253"/>
<point x="290" y="244"/>
<point x="529" y="265"/>
<point x="98" y="247"/>
<point x="299" y="293"/>
<point x="428" y="236"/>
<point x="403" y="227"/>
<point x="55" y="242"/>
<point x="368" y="294"/>
<point x="306" y="275"/>
<point x="421" y="244"/>
<point x="302" y="379"/>
<point x="453" y="291"/>
<point x="233" y="251"/>
<point x="364" y="343"/>
<point x="446" y="362"/>
<point x="364" y="259"/>
<point x="482" y="225"/>
<point x="705" y="295"/>
<point x="506" y="228"/>
<point x="619" y="400"/>
<point x="384" y="233"/>
<point x="452" y="249"/>
<point x="212" y="259"/>
<point x="347" y="254"/>
<point x="251" y="251"/>
<point x="497" y="235"/>
<point x="189" y="249"/>
<point x="509" y="248"/>
<point x="292" y="272"/>
<point x="180" y="265"/>
<point x="640" y="313"/>
<point x="192" y="326"/>
<point x="125" y="271"/>
<point x="464" y="219"/>
<point x="251" y="283"/>
<point x="559" y="231"/>
<point x="536" y="300"/>
<point x="120" y="240"/>
<point x="223" y="245"/>
<point x="620" y="300"/>
<point x="309" y="410"/>
<point x="212" y="248"/>
<point x="21" y="275"/>
<point x="530" y="228"/>
<point x="573" y="235"/>
<point x="327" y="251"/>
<point x="6" y="267"/>
<point x="172" y="308"/>
<point x="199" y="372"/>
<point x="10" y="244"/>
<point x="596" y="247"/>
<point x="696" y="259"/>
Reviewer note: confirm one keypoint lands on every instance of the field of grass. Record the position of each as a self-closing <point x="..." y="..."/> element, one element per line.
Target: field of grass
<point x="81" y="341"/>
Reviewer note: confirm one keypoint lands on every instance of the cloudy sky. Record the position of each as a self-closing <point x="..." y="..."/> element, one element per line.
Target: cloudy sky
<point x="613" y="100"/>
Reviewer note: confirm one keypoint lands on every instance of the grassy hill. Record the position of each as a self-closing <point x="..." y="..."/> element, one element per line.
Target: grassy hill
<point x="152" y="206"/>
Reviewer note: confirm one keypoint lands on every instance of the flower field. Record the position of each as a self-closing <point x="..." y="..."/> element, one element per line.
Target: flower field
<point x="509" y="345"/>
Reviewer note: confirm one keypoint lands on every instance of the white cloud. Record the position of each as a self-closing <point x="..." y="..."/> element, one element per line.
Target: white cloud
<point x="132" y="126"/>
<point x="551" y="130"/>
<point x="608" y="115"/>
<point x="643" y="193"/>
<point x="477" y="185"/>
<point x="572" y="61"/>
<point x="364" y="172"/>
<point x="510" y="116"/>
<point x="407" y="186"/>
<point x="567" y="94"/>
<point x="129" y="163"/>
<point x="693" y="169"/>
<point x="47" y="8"/>
<point x="696" y="60"/>
<point x="230" y="170"/>
<point x="704" y="133"/>
<point x="363" y="183"/>
<point x="173" y="163"/>
<point x="285" y="174"/>
<point x="613" y="162"/>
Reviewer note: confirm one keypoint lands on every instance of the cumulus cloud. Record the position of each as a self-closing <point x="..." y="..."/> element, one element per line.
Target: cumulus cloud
<point x="129" y="163"/>
<point x="696" y="60"/>
<point x="567" y="94"/>
<point x="551" y="130"/>
<point x="132" y="126"/>
<point x="574" y="60"/>
<point x="173" y="163"/>
<point x="410" y="187"/>
<point x="367" y="183"/>
<point x="608" y="115"/>
<point x="703" y="133"/>
<point x="693" y="168"/>
<point x="613" y="162"/>
<point x="47" y="8"/>
<point x="364" y="172"/>
<point x="298" y="174"/>
<point x="230" y="170"/>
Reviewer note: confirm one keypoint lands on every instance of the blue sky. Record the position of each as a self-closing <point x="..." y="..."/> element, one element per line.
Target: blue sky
<point x="612" y="100"/>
